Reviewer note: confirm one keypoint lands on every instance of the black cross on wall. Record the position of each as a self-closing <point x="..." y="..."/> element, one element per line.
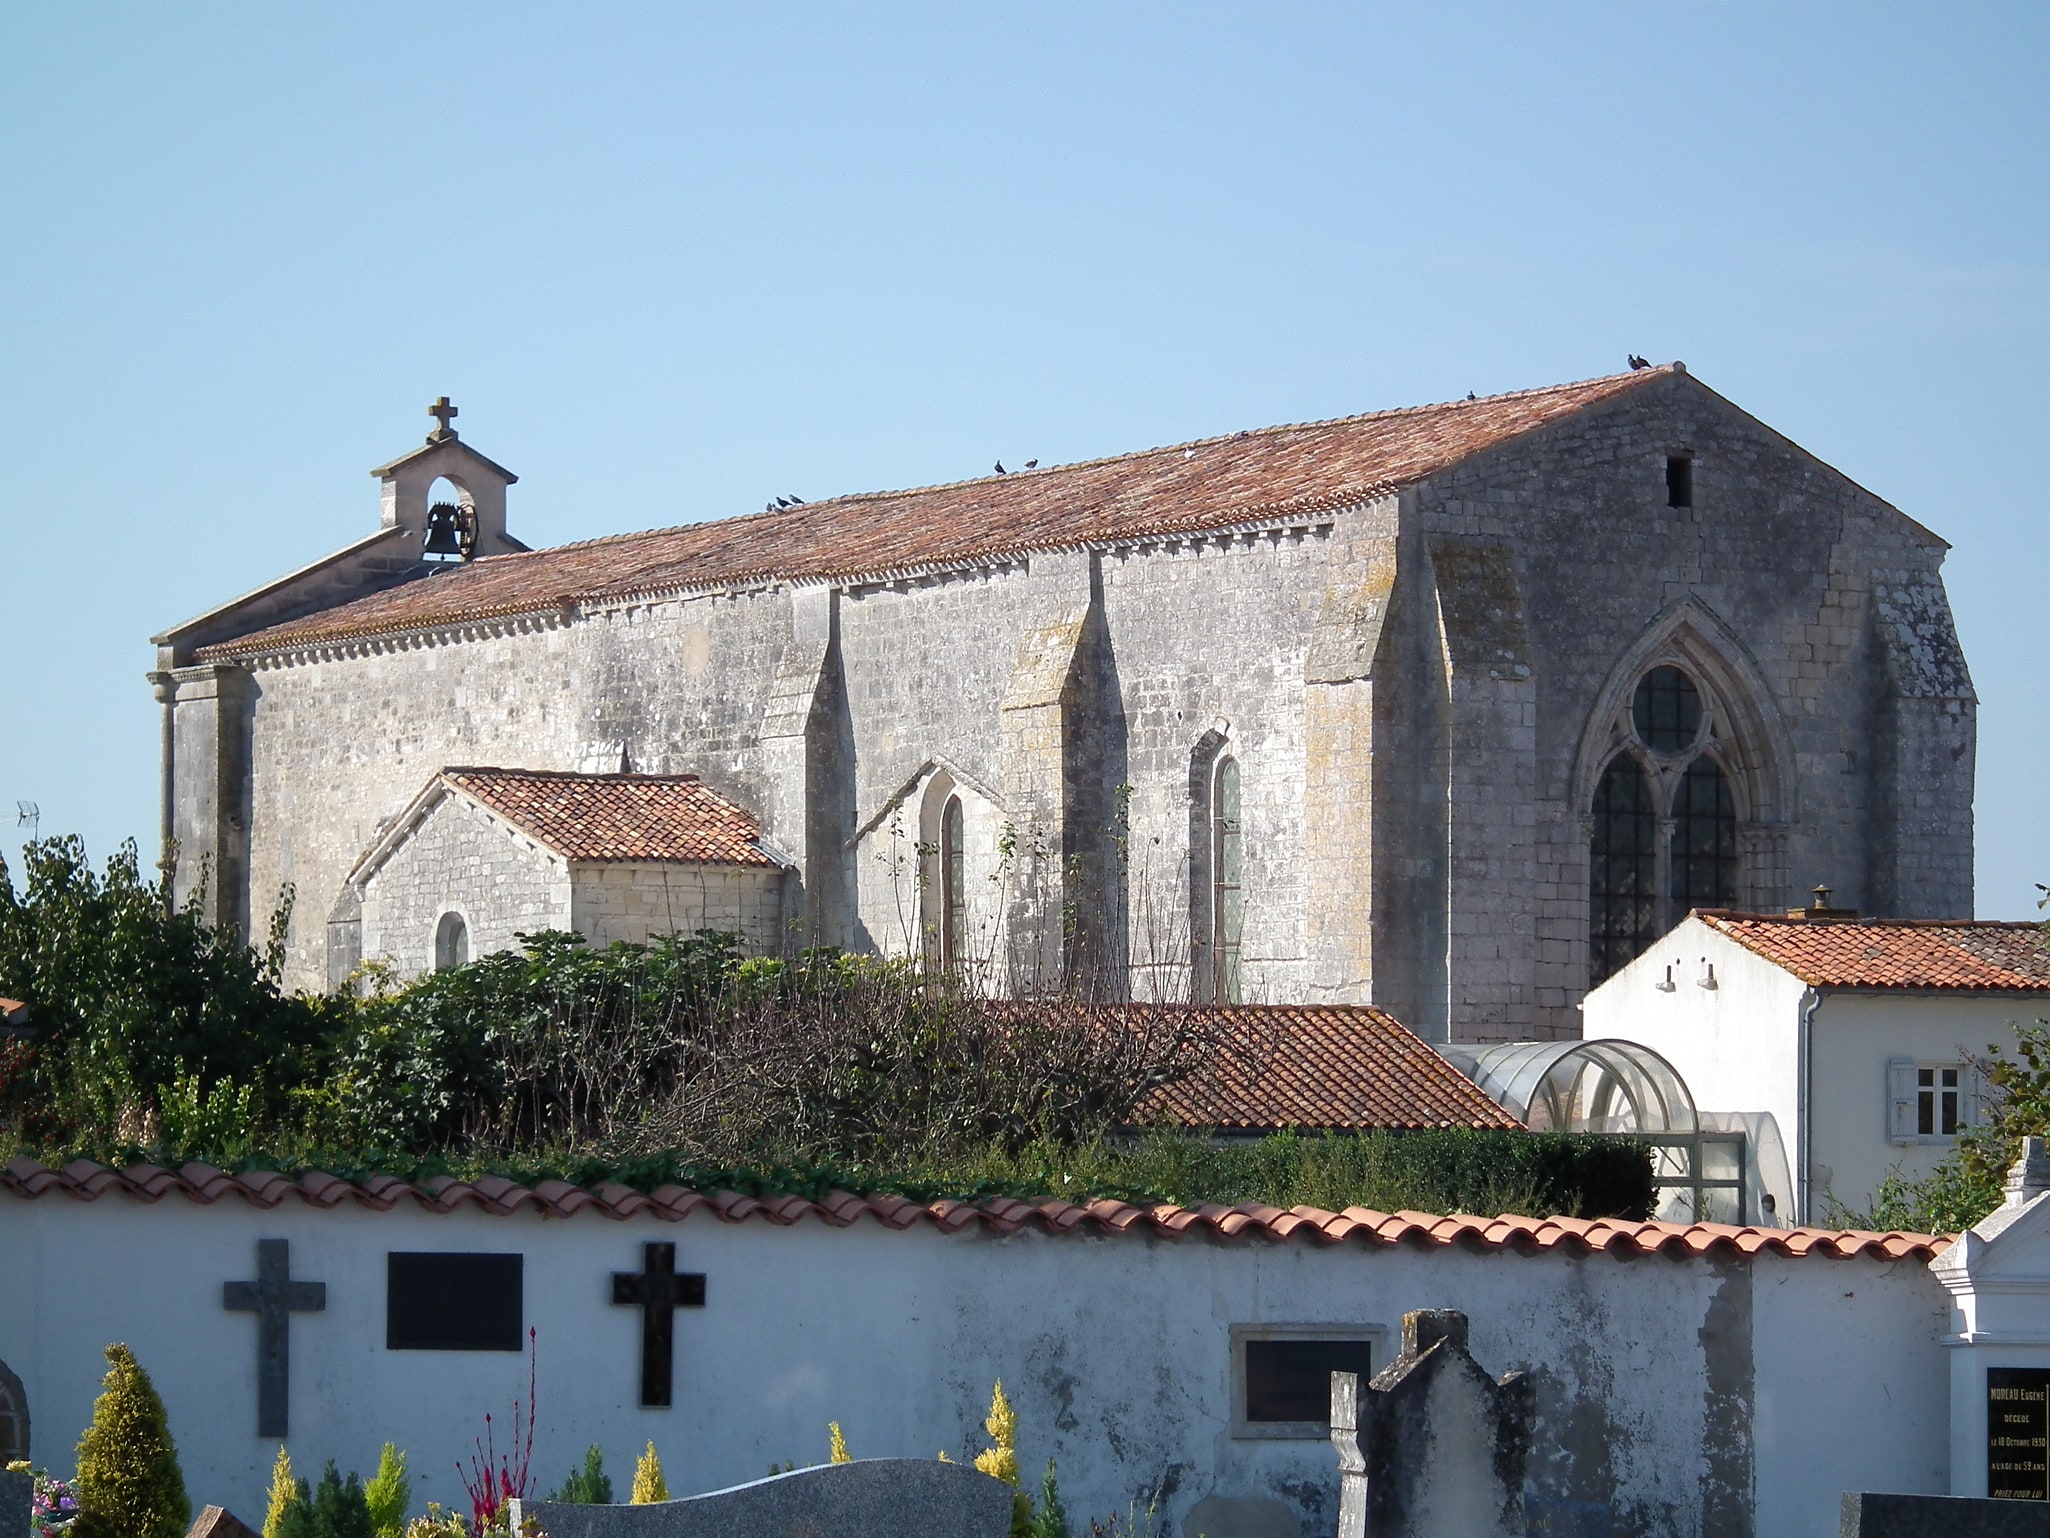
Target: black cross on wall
<point x="274" y="1297"/>
<point x="658" y="1291"/>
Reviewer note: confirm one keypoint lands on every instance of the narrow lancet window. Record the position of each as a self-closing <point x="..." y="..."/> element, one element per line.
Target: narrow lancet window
<point x="1704" y="853"/>
<point x="953" y="886"/>
<point x="1227" y="882"/>
<point x="1622" y="868"/>
<point x="1679" y="480"/>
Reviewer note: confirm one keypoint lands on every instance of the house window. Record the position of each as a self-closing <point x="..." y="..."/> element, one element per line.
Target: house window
<point x="451" y="942"/>
<point x="1281" y="1375"/>
<point x="953" y="886"/>
<point x="1928" y="1102"/>
<point x="1227" y="882"/>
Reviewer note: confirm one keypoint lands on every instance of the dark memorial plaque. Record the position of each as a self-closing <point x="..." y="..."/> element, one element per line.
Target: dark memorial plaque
<point x="2018" y="1433"/>
<point x="1290" y="1380"/>
<point x="452" y="1302"/>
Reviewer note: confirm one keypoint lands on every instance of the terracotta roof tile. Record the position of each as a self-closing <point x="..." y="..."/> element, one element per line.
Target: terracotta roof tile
<point x="1349" y="1067"/>
<point x="82" y="1180"/>
<point x="1975" y="957"/>
<point x="1189" y="488"/>
<point x="668" y="817"/>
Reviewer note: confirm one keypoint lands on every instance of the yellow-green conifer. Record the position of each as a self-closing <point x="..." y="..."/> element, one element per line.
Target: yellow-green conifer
<point x="1000" y="1459"/>
<point x="839" y="1453"/>
<point x="128" y="1480"/>
<point x="649" y="1485"/>
<point x="283" y="1488"/>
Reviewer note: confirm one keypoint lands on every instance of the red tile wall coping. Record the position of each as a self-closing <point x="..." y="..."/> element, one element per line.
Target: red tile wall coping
<point x="202" y="1184"/>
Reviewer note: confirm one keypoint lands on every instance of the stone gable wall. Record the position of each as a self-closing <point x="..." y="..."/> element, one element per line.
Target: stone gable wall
<point x="460" y="859"/>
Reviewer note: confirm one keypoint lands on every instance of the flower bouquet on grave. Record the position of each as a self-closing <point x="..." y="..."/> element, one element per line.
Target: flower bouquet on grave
<point x="54" y="1507"/>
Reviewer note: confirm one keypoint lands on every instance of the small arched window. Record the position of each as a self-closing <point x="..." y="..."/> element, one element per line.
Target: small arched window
<point x="953" y="885"/>
<point x="451" y="942"/>
<point x="1227" y="881"/>
<point x="1623" y="868"/>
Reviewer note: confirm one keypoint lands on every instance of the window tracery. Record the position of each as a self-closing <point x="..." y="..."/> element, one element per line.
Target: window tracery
<point x="1664" y="822"/>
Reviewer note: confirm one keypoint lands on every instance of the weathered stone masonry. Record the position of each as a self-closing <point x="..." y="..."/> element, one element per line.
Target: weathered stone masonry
<point x="1416" y="667"/>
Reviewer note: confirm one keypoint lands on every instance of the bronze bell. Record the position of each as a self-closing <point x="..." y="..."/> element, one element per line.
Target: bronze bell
<point x="450" y="530"/>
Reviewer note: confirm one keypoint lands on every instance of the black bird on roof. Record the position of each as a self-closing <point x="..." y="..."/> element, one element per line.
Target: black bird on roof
<point x="1000" y="468"/>
<point x="1471" y="396"/>
<point x="1032" y="464"/>
<point x="1637" y="362"/>
<point x="782" y="501"/>
<point x="796" y="500"/>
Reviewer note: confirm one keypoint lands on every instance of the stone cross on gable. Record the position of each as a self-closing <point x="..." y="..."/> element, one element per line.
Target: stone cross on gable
<point x="658" y="1291"/>
<point x="443" y="413"/>
<point x="274" y="1297"/>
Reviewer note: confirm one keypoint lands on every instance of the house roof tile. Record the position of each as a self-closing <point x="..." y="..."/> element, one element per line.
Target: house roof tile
<point x="202" y="1185"/>
<point x="1349" y="1067"/>
<point x="665" y="817"/>
<point x="1188" y="488"/>
<point x="1982" y="957"/>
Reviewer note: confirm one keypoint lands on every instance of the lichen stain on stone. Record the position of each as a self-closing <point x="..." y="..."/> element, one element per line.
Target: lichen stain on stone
<point x="1728" y="1401"/>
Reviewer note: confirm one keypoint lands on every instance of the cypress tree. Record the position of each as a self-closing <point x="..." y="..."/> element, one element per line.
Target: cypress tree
<point x="339" y="1510"/>
<point x="129" y="1485"/>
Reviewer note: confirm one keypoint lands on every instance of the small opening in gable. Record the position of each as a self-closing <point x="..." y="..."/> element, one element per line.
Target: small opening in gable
<point x="1679" y="480"/>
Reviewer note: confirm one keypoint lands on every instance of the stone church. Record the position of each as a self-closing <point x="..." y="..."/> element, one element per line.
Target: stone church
<point x="1451" y="709"/>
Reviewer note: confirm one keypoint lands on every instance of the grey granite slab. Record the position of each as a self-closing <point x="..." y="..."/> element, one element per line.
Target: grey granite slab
<point x="1941" y="1516"/>
<point x="869" y="1498"/>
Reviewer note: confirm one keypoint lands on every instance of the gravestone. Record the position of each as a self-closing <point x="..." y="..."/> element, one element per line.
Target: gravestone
<point x="17" y="1503"/>
<point x="1434" y="1447"/>
<point x="1941" y="1516"/>
<point x="869" y="1498"/>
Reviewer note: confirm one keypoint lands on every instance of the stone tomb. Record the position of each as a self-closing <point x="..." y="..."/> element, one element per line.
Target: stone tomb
<point x="869" y="1498"/>
<point x="1941" y="1516"/>
<point x="1435" y="1447"/>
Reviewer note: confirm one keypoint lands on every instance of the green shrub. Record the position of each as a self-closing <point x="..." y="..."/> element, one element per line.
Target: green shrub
<point x="129" y="1485"/>
<point x="589" y="1485"/>
<point x="387" y="1493"/>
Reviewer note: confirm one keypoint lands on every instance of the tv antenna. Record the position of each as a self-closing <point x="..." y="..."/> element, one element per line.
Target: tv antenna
<point x="28" y="815"/>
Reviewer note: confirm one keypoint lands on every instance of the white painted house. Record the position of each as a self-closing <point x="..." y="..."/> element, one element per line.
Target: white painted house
<point x="1697" y="1381"/>
<point x="481" y="856"/>
<point x="1840" y="1049"/>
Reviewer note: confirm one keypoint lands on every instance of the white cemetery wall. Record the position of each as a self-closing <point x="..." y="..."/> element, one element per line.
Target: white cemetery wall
<point x="1676" y="1388"/>
<point x="633" y="901"/>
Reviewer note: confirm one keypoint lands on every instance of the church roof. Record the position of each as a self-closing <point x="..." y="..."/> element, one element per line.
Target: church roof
<point x="203" y="1185"/>
<point x="1330" y="1066"/>
<point x="1977" y="957"/>
<point x="1204" y="486"/>
<point x="663" y="817"/>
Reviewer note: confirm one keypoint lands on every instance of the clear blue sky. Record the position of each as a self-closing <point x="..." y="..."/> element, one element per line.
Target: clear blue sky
<point x="670" y="260"/>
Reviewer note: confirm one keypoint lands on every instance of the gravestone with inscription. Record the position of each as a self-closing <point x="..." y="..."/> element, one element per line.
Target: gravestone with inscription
<point x="1998" y="1275"/>
<point x="1941" y="1516"/>
<point x="869" y="1498"/>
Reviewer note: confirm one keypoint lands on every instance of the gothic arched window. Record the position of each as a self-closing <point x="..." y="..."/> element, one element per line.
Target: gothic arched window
<point x="953" y="885"/>
<point x="1664" y="836"/>
<point x="1227" y="881"/>
<point x="451" y="942"/>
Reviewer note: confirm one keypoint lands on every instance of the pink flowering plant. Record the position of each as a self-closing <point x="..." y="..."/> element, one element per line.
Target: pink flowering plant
<point x="53" y="1508"/>
<point x="494" y="1479"/>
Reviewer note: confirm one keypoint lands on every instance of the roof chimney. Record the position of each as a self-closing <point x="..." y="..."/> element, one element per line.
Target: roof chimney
<point x="1819" y="911"/>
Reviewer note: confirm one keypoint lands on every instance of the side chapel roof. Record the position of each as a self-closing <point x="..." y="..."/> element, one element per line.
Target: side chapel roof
<point x="203" y="1185"/>
<point x="1910" y="956"/>
<point x="1336" y="1067"/>
<point x="665" y="817"/>
<point x="1198" y="487"/>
